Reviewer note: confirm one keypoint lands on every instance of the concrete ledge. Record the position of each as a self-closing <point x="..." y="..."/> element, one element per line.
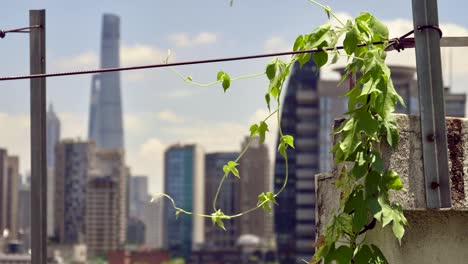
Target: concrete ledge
<point x="433" y="236"/>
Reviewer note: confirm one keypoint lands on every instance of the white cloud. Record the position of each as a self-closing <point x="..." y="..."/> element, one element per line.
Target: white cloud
<point x="184" y="40"/>
<point x="170" y="117"/>
<point x="130" y="55"/>
<point x="141" y="54"/>
<point x="180" y="93"/>
<point x="16" y="137"/>
<point x="398" y="27"/>
<point x="148" y="159"/>
<point x="87" y="59"/>
<point x="276" y="44"/>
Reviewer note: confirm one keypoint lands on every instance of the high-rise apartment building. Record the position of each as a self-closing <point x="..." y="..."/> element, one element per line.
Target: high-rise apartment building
<point x="254" y="171"/>
<point x="9" y="187"/>
<point x="110" y="169"/>
<point x="228" y="201"/>
<point x="73" y="163"/>
<point x="102" y="215"/>
<point x="105" y="117"/>
<point x="153" y="217"/>
<point x="24" y="214"/>
<point x="309" y="108"/>
<point x="184" y="181"/>
<point x="138" y="195"/>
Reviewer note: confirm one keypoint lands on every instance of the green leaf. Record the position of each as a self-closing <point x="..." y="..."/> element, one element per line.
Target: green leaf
<point x="338" y="225"/>
<point x="285" y="141"/>
<point x="320" y="58"/>
<point x="225" y="79"/>
<point x="231" y="168"/>
<point x="267" y="200"/>
<point x="372" y="184"/>
<point x="189" y="78"/>
<point x="267" y="100"/>
<point x="303" y="58"/>
<point x="319" y="35"/>
<point x="363" y="255"/>
<point x="220" y="76"/>
<point x="391" y="133"/>
<point x="217" y="218"/>
<point x="335" y="57"/>
<point x="351" y="40"/>
<point x="262" y="129"/>
<point x="288" y="139"/>
<point x="342" y="255"/>
<point x="299" y="43"/>
<point x="378" y="28"/>
<point x="226" y="82"/>
<point x="277" y="71"/>
<point x="253" y="129"/>
<point x="357" y="206"/>
<point x="271" y="69"/>
<point x="366" y="255"/>
<point x="392" y="181"/>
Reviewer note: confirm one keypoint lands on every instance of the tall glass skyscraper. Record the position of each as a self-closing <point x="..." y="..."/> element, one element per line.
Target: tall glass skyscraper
<point x="105" y="117"/>
<point x="310" y="105"/>
<point x="184" y="181"/>
<point x="295" y="215"/>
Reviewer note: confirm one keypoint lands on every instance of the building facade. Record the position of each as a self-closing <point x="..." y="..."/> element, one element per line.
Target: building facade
<point x="309" y="107"/>
<point x="53" y="137"/>
<point x="228" y="201"/>
<point x="153" y="218"/>
<point x="9" y="188"/>
<point x="73" y="163"/>
<point x="106" y="213"/>
<point x="254" y="171"/>
<point x="184" y="181"/>
<point x="138" y="195"/>
<point x="102" y="218"/>
<point x="105" y="117"/>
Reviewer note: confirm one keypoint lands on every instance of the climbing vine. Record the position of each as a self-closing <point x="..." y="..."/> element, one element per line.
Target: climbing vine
<point x="363" y="181"/>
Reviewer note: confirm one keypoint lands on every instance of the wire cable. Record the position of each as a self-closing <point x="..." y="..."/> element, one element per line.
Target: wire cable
<point x="395" y="43"/>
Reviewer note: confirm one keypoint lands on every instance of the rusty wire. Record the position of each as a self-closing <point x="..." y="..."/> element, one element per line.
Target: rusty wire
<point x="392" y="44"/>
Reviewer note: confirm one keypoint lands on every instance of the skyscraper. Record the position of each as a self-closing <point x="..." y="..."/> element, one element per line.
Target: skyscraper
<point x="74" y="160"/>
<point x="106" y="217"/>
<point x="309" y="108"/>
<point x="53" y="137"/>
<point x="184" y="181"/>
<point x="102" y="207"/>
<point x="105" y="117"/>
<point x="254" y="171"/>
<point x="228" y="201"/>
<point x="138" y="195"/>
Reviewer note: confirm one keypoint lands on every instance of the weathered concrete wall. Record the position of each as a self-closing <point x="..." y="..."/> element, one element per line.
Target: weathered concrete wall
<point x="433" y="236"/>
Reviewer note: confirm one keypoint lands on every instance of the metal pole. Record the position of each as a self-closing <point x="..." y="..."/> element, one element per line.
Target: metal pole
<point x="432" y="105"/>
<point x="38" y="140"/>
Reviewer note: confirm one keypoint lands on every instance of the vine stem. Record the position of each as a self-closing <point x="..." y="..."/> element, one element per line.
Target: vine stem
<point x="185" y="79"/>
<point x="286" y="163"/>
<point x="237" y="159"/>
<point x="328" y="9"/>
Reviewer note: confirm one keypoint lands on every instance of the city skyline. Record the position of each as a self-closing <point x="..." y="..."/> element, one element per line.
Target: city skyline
<point x="157" y="104"/>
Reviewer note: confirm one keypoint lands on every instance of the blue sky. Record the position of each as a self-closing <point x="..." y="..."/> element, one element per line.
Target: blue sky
<point x="159" y="108"/>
